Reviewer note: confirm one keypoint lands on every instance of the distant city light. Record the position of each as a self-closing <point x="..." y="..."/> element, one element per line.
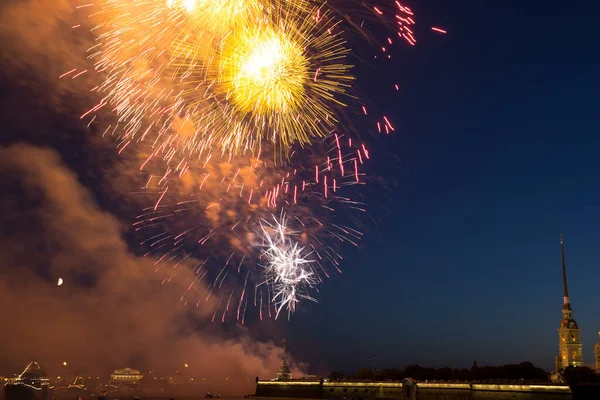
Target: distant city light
<point x="65" y="363"/>
<point x="185" y="365"/>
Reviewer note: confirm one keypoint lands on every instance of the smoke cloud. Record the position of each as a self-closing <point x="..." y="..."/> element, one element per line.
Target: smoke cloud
<point x="113" y="309"/>
<point x="38" y="36"/>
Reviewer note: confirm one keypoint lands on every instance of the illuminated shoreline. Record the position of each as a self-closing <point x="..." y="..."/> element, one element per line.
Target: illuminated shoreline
<point x="334" y="389"/>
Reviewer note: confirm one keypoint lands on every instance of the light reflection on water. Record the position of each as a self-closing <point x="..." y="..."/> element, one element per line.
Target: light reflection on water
<point x="421" y="395"/>
<point x="477" y="395"/>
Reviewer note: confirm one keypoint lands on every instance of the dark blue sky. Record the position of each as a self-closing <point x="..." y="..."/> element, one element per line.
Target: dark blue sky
<point x="496" y="154"/>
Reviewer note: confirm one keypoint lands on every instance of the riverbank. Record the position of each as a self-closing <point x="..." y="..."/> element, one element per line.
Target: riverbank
<point x="486" y="387"/>
<point x="320" y="389"/>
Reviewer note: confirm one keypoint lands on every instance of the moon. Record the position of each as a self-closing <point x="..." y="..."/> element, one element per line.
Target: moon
<point x="60" y="281"/>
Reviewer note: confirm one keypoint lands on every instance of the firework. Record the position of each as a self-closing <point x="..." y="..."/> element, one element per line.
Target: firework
<point x="236" y="108"/>
<point x="288" y="266"/>
<point x="217" y="17"/>
<point x="264" y="73"/>
<point x="285" y="78"/>
<point x="218" y="210"/>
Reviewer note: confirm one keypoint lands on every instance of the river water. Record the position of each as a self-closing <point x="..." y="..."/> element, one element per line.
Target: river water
<point x="477" y="395"/>
<point x="421" y="395"/>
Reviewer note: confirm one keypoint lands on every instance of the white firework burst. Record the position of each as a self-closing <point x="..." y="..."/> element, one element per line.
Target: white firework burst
<point x="289" y="269"/>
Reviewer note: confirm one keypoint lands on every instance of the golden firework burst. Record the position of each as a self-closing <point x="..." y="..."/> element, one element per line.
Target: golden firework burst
<point x="265" y="72"/>
<point x="240" y="72"/>
<point x="283" y="80"/>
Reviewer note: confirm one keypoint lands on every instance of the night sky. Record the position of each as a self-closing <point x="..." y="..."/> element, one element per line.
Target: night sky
<point x="494" y="156"/>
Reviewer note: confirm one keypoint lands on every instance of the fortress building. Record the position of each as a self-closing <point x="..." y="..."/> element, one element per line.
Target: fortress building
<point x="569" y="341"/>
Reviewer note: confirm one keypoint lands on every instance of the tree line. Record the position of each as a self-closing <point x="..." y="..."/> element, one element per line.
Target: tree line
<point x="524" y="371"/>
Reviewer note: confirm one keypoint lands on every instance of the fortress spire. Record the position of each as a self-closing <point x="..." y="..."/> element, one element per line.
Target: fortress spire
<point x="564" y="272"/>
<point x="284" y="372"/>
<point x="569" y="342"/>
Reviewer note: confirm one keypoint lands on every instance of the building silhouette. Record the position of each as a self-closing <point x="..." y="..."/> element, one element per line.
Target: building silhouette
<point x="569" y="340"/>
<point x="125" y="376"/>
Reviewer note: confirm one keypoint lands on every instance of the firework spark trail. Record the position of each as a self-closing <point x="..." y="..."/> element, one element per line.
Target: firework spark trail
<point x="220" y="202"/>
<point x="231" y="198"/>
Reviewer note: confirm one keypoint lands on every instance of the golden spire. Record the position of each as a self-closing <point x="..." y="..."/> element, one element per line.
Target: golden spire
<point x="564" y="271"/>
